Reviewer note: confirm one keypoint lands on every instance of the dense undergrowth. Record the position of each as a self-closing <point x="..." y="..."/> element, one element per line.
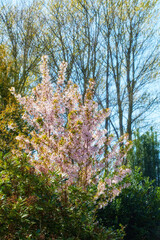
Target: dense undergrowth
<point x="32" y="208"/>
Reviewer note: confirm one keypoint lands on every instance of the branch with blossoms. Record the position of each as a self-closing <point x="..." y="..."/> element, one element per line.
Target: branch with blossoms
<point x="67" y="136"/>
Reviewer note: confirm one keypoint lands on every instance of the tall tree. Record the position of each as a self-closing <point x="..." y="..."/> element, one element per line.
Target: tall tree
<point x="20" y="33"/>
<point x="72" y="34"/>
<point x="134" y="59"/>
<point x="146" y="155"/>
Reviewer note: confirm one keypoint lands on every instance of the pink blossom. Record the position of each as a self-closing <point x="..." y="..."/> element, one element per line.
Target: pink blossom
<point x="67" y="136"/>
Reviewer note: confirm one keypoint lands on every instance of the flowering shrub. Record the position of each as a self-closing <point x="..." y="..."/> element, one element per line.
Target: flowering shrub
<point x="31" y="207"/>
<point x="68" y="140"/>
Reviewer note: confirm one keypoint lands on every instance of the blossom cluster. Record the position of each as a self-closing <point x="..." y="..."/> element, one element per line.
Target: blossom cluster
<point x="68" y="138"/>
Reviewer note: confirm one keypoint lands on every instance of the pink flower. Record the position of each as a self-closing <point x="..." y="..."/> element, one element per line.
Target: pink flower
<point x="68" y="137"/>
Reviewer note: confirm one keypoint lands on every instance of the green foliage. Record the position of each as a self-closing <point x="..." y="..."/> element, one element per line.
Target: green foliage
<point x="5" y="77"/>
<point x="32" y="208"/>
<point x="11" y="125"/>
<point x="137" y="208"/>
<point x="145" y="154"/>
<point x="25" y="199"/>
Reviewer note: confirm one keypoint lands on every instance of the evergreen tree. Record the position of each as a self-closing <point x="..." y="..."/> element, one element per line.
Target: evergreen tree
<point x="145" y="154"/>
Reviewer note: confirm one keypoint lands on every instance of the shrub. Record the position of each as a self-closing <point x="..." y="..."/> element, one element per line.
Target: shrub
<point x="137" y="208"/>
<point x="32" y="208"/>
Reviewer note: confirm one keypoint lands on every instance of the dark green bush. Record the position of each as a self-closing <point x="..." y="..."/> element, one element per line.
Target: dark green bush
<point x="136" y="208"/>
<point x="145" y="154"/>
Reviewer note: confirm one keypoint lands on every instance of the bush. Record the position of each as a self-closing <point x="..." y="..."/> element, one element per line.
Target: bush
<point x="25" y="198"/>
<point x="136" y="208"/>
<point x="32" y="208"/>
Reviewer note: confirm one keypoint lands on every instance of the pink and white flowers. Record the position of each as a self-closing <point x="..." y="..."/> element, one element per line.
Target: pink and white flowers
<point x="67" y="135"/>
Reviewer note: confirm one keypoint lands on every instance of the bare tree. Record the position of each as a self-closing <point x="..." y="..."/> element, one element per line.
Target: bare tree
<point x="133" y="59"/>
<point x="72" y="34"/>
<point x="21" y="36"/>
